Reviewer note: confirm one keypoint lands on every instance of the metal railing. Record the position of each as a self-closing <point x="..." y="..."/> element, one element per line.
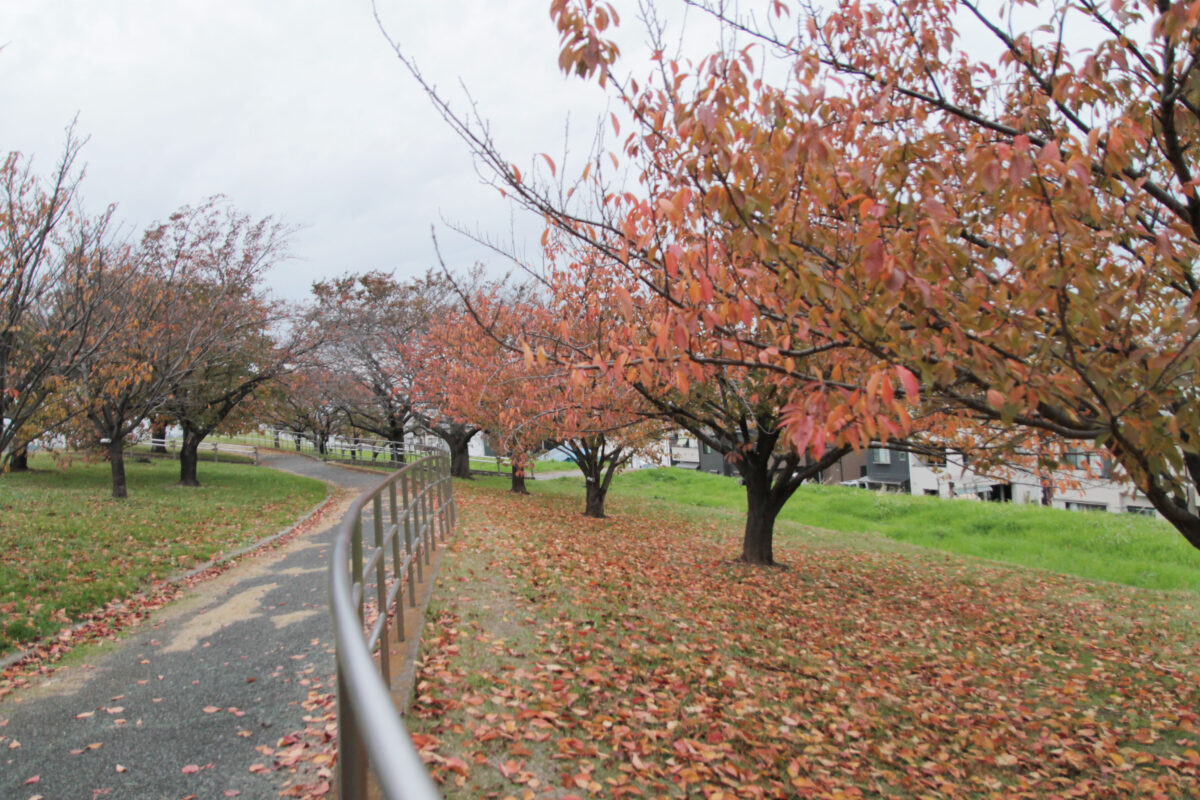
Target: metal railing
<point x="399" y="521"/>
<point x="170" y="448"/>
<point x="345" y="449"/>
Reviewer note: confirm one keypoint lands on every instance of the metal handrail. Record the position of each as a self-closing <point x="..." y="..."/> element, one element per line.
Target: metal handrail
<point x="351" y="449"/>
<point x="420" y="511"/>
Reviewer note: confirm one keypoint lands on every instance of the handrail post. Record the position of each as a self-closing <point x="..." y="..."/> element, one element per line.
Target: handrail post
<point x="430" y="522"/>
<point x="381" y="593"/>
<point x="356" y="561"/>
<point x="352" y="751"/>
<point x="397" y="571"/>
<point x="409" y="521"/>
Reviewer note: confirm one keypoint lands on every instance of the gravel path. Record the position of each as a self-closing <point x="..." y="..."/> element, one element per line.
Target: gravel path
<point x="179" y="706"/>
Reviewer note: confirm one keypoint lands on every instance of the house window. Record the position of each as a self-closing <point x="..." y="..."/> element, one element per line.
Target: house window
<point x="1145" y="511"/>
<point x="881" y="455"/>
<point x="934" y="459"/>
<point x="1078" y="459"/>
<point x="1077" y="506"/>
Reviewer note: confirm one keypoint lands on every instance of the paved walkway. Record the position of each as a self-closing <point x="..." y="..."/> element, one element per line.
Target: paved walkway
<point x="179" y="706"/>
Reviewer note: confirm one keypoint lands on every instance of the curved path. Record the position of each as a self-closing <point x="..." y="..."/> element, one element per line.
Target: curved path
<point x="181" y="706"/>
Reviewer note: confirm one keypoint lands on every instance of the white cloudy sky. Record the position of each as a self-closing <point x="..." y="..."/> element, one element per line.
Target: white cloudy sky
<point x="299" y="109"/>
<point x="292" y="108"/>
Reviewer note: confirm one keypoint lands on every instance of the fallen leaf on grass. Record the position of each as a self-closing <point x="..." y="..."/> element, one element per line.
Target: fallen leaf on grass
<point x="190" y="769"/>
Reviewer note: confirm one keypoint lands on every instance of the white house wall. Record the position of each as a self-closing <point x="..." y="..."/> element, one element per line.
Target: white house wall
<point x="953" y="480"/>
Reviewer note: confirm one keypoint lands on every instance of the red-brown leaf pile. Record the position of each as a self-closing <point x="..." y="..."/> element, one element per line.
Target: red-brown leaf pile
<point x="633" y="657"/>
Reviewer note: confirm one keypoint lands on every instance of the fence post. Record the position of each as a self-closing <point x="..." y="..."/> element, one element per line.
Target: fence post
<point x="381" y="593"/>
<point x="352" y="750"/>
<point x="409" y="519"/>
<point x="394" y="519"/>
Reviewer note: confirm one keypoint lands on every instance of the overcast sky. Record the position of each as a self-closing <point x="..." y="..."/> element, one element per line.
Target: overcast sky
<point x="292" y="108"/>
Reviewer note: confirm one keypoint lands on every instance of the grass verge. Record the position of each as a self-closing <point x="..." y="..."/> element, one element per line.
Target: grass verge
<point x="67" y="548"/>
<point x="569" y="657"/>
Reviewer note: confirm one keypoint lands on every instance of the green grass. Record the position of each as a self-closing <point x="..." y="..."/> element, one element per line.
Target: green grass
<point x="1121" y="548"/>
<point x="541" y="465"/>
<point x="67" y="548"/>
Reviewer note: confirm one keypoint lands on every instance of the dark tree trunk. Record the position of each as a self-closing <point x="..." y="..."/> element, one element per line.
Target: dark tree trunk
<point x="275" y="436"/>
<point x="460" y="461"/>
<point x="189" y="456"/>
<point x="116" y="461"/>
<point x="458" y="440"/>
<point x="19" y="460"/>
<point x="395" y="437"/>
<point x="518" y="479"/>
<point x="1047" y="492"/>
<point x="158" y="431"/>
<point x="758" y="540"/>
<point x="596" y="494"/>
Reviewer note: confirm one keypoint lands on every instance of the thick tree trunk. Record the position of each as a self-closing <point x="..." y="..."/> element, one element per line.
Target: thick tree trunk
<point x="758" y="540"/>
<point x="460" y="455"/>
<point x="518" y="480"/>
<point x="158" y="432"/>
<point x="594" y="503"/>
<point x="395" y="438"/>
<point x="19" y="460"/>
<point x="189" y="457"/>
<point x="116" y="462"/>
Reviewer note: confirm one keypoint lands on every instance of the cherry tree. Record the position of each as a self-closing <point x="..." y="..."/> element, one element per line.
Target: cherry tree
<point x="50" y="256"/>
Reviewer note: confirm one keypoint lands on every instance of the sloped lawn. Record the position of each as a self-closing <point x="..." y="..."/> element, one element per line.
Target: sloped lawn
<point x="67" y="548"/>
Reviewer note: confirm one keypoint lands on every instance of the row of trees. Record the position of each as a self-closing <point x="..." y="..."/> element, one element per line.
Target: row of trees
<point x="849" y="224"/>
<point x="98" y="336"/>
